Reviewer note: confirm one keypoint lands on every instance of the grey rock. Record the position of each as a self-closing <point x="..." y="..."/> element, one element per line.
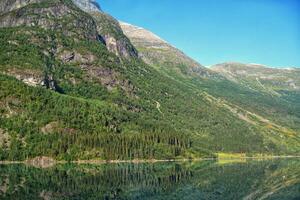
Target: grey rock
<point x="10" y="5"/>
<point x="119" y="47"/>
<point x="18" y="13"/>
<point x="88" y="5"/>
<point x="113" y="36"/>
<point x="31" y="78"/>
<point x="75" y="57"/>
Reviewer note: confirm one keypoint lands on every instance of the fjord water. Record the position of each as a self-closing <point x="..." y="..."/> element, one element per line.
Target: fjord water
<point x="239" y="179"/>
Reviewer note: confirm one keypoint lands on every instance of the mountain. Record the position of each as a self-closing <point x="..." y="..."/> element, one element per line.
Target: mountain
<point x="74" y="86"/>
<point x="158" y="53"/>
<point x="261" y="77"/>
<point x="280" y="109"/>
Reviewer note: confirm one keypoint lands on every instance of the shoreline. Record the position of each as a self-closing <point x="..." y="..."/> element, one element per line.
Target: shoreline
<point x="139" y="161"/>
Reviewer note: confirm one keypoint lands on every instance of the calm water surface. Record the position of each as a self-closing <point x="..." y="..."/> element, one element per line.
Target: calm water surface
<point x="272" y="179"/>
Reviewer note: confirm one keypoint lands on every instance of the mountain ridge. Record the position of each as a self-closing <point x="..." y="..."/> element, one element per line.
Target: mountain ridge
<point x="157" y="52"/>
<point x="88" y="5"/>
<point x="284" y="78"/>
<point x="74" y="86"/>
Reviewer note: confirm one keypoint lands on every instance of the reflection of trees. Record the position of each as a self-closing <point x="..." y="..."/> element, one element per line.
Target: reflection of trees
<point x="204" y="180"/>
<point x="102" y="181"/>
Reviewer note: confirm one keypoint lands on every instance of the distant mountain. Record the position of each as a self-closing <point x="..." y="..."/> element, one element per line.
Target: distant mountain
<point x="261" y="77"/>
<point x="251" y="96"/>
<point x="77" y="84"/>
<point x="160" y="54"/>
<point x="281" y="109"/>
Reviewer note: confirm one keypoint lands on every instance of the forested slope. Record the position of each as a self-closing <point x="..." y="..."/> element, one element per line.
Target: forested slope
<point x="73" y="87"/>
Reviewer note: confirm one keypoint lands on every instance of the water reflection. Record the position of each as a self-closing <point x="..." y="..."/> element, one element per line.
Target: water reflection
<point x="276" y="179"/>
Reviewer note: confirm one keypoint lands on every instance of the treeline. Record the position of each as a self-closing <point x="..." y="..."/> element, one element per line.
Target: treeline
<point x="104" y="146"/>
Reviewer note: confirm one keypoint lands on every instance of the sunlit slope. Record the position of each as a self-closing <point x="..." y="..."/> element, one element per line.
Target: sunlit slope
<point x="73" y="87"/>
<point x="271" y="93"/>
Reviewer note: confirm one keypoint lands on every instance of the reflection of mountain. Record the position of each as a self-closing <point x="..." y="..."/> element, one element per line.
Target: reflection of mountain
<point x="105" y="181"/>
<point x="205" y="180"/>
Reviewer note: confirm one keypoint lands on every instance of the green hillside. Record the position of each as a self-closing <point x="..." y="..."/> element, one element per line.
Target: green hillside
<point x="72" y="87"/>
<point x="249" y="88"/>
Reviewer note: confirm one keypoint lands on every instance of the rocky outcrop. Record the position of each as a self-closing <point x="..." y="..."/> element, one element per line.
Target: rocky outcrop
<point x="53" y="15"/>
<point x="29" y="77"/>
<point x="113" y="36"/>
<point x="56" y="127"/>
<point x="88" y="5"/>
<point x="33" y="78"/>
<point x="10" y="5"/>
<point x="65" y="17"/>
<point x="120" y="47"/>
<point x="109" y="78"/>
<point x="76" y="57"/>
<point x="109" y="30"/>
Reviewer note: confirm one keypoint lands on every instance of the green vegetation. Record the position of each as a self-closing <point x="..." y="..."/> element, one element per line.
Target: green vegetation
<point x="92" y="104"/>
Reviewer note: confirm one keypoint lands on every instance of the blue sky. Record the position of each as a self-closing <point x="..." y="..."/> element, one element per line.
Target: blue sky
<point x="215" y="31"/>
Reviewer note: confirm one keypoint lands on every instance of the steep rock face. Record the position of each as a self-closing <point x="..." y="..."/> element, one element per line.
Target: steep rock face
<point x="53" y="15"/>
<point x="157" y="52"/>
<point x="23" y="13"/>
<point x="260" y="76"/>
<point x="109" y="30"/>
<point x="9" y="5"/>
<point x="54" y="19"/>
<point x="113" y="36"/>
<point x="57" y="29"/>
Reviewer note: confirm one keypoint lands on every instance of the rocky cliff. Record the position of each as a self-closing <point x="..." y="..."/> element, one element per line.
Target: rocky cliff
<point x="9" y="5"/>
<point x="50" y="15"/>
<point x="113" y="35"/>
<point x="109" y="29"/>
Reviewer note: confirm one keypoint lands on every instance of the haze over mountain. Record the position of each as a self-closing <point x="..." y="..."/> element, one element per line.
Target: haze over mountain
<point x="77" y="84"/>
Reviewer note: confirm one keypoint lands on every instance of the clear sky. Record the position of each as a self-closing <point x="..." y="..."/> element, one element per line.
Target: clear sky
<point x="215" y="31"/>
